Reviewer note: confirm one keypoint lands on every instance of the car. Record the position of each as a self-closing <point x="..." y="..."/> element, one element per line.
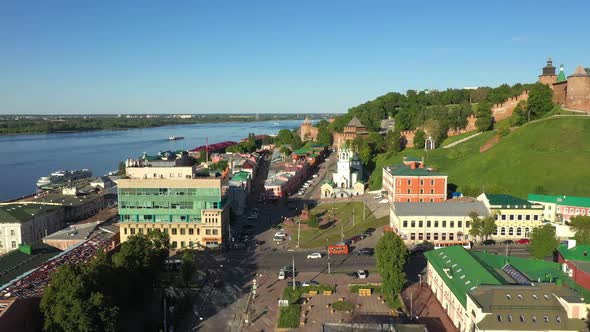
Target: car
<point x="352" y="275"/>
<point x="306" y="185"/>
<point x="314" y="255"/>
<point x="240" y="245"/>
<point x="488" y="242"/>
<point x="365" y="252"/>
<point x="355" y="239"/>
<point x="278" y="239"/>
<point x="309" y="283"/>
<point x="524" y="241"/>
<point x="314" y="176"/>
<point x="218" y="283"/>
<point x="282" y="275"/>
<point x="280" y="234"/>
<point x="370" y="230"/>
<point x="259" y="242"/>
<point x="507" y="242"/>
<point x="362" y="274"/>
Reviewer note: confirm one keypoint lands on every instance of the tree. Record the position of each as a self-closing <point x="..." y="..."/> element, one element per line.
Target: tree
<point x="219" y="166"/>
<point x="313" y="221"/>
<point x="543" y="241"/>
<point x="285" y="151"/>
<point x="520" y="114"/>
<point x="488" y="226"/>
<point x="324" y="135"/>
<point x="539" y="102"/>
<point x="393" y="141"/>
<point x="580" y="225"/>
<point x="484" y="117"/>
<point x="188" y="267"/>
<point x="419" y="139"/>
<point x="69" y="304"/>
<point x="476" y="225"/>
<point x="392" y="255"/>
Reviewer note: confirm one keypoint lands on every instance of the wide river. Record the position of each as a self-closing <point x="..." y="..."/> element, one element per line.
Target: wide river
<point x="25" y="158"/>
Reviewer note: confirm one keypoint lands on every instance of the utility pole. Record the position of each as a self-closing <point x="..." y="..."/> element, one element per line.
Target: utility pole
<point x="298" y="232"/>
<point x="352" y="217"/>
<point x="293" y="272"/>
<point x="329" y="271"/>
<point x="341" y="232"/>
<point x="412" y="306"/>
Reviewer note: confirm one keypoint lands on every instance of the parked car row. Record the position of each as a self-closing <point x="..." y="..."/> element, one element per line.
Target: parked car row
<point x="491" y="242"/>
<point x="368" y="232"/>
<point x="360" y="274"/>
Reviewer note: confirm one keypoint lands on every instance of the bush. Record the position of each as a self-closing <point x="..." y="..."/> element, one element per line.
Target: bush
<point x="313" y="221"/>
<point x="503" y="131"/>
<point x="289" y="316"/>
<point x="343" y="306"/>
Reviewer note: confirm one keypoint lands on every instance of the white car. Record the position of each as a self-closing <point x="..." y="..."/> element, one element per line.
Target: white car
<point x="306" y="185"/>
<point x="362" y="274"/>
<point x="314" y="176"/>
<point x="281" y="275"/>
<point x="278" y="239"/>
<point x="280" y="234"/>
<point x="314" y="255"/>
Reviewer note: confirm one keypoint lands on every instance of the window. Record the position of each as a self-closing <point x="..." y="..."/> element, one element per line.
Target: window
<point x="432" y="191"/>
<point x="174" y="231"/>
<point x="527" y="217"/>
<point x="521" y="318"/>
<point x="459" y="223"/>
<point x="427" y="223"/>
<point x="421" y="191"/>
<point x="421" y="200"/>
<point x="519" y="217"/>
<point x="444" y="223"/>
<point x="451" y="224"/>
<point x="511" y="217"/>
<point x="432" y="200"/>
<point x="409" y="190"/>
<point x="432" y="182"/>
<point x="499" y="318"/>
<point x="405" y="223"/>
<point x="467" y="223"/>
<point x="427" y="236"/>
<point x="435" y="236"/>
<point x="207" y="232"/>
<point x="413" y="223"/>
<point x="546" y="319"/>
<point x="12" y="232"/>
<point x="132" y="230"/>
<point x="535" y="296"/>
<point x="420" y="223"/>
<point x="519" y="296"/>
<point x="420" y="236"/>
<point x="534" y="318"/>
<point x="198" y="231"/>
<point x="125" y="230"/>
<point x="421" y="182"/>
<point x="503" y="231"/>
<point x="451" y="236"/>
<point x="503" y="217"/>
<point x="412" y="236"/>
<point x="535" y="217"/>
<point x="558" y="319"/>
<point x="518" y="231"/>
<point x="510" y="231"/>
<point x="182" y="231"/>
<point x="443" y="236"/>
<point x="140" y="230"/>
<point x="508" y="296"/>
<point x="191" y="231"/>
<point x="13" y="244"/>
<point x="174" y="244"/>
<point x="409" y="182"/>
<point x="182" y="244"/>
<point x="214" y="232"/>
<point x="509" y="318"/>
<point x="436" y="224"/>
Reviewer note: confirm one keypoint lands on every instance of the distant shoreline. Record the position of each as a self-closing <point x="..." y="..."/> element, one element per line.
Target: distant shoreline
<point x="101" y="123"/>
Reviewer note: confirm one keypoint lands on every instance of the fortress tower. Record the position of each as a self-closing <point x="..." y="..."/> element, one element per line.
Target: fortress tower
<point x="578" y="90"/>
<point x="548" y="77"/>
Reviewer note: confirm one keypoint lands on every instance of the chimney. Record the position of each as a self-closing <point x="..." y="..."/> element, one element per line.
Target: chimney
<point x="413" y="165"/>
<point x="420" y="165"/>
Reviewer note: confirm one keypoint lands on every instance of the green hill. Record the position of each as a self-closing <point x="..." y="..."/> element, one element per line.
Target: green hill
<point x="551" y="156"/>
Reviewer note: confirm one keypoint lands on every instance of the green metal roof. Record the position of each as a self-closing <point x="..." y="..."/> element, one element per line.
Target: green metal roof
<point x="301" y="151"/>
<point x="561" y="200"/>
<point x="464" y="271"/>
<point x="561" y="76"/>
<point x="314" y="155"/>
<point x="508" y="201"/>
<point x="403" y="170"/>
<point x="576" y="253"/>
<point x="240" y="176"/>
<point x="23" y="212"/>
<point x="533" y="269"/>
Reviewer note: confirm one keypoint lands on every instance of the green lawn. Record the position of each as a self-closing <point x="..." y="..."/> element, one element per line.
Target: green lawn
<point x="314" y="238"/>
<point x="548" y="156"/>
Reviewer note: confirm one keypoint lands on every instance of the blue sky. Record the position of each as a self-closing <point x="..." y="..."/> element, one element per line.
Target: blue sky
<point x="271" y="56"/>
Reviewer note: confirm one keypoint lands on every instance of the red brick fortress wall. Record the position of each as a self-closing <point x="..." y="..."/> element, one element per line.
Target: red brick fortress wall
<point x="504" y="110"/>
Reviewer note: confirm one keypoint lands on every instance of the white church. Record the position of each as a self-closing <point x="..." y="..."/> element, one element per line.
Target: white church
<point x="348" y="179"/>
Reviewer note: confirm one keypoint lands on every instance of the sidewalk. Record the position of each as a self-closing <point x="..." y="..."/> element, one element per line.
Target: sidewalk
<point x="427" y="308"/>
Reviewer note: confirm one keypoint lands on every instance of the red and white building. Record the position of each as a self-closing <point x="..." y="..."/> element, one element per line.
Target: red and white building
<point x="413" y="182"/>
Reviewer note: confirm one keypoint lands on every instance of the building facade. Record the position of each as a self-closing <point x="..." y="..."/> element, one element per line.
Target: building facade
<point x="562" y="208"/>
<point x="307" y="132"/>
<point x="434" y="222"/>
<point x="575" y="262"/>
<point x="515" y="217"/>
<point x="348" y="180"/>
<point x="192" y="211"/>
<point x="352" y="130"/>
<point x="412" y="182"/>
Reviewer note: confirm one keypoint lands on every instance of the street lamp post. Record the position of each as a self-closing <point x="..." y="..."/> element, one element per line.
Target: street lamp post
<point x="298" y="232"/>
<point x="293" y="272"/>
<point x="420" y="282"/>
<point x="329" y="271"/>
<point x="352" y="217"/>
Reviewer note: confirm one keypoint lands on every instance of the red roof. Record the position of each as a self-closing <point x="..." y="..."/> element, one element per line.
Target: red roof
<point x="214" y="146"/>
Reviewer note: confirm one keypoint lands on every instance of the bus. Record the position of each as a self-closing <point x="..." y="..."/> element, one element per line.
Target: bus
<point x="465" y="244"/>
<point x="338" y="250"/>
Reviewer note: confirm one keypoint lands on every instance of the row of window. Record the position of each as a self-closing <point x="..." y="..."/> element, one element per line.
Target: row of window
<point x="512" y="231"/>
<point x="533" y="318"/>
<point x="572" y="211"/>
<point x="12" y="232"/>
<point x="160" y="218"/>
<point x="123" y="204"/>
<point x="173" y="231"/>
<point x="517" y="217"/>
<point x="409" y="191"/>
<point x="205" y="192"/>
<point x="399" y="182"/>
<point x="436" y="224"/>
<point x="435" y="236"/>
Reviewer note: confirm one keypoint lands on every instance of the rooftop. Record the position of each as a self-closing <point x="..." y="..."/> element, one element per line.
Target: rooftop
<point x="16" y="212"/>
<point x="508" y="201"/>
<point x="580" y="252"/>
<point x="240" y="176"/>
<point x="533" y="269"/>
<point x="15" y="263"/>
<point x="355" y="122"/>
<point x="448" y="208"/>
<point x="460" y="271"/>
<point x="404" y="170"/>
<point x="561" y="200"/>
<point x="74" y="232"/>
<point x="68" y="200"/>
<point x="525" y="308"/>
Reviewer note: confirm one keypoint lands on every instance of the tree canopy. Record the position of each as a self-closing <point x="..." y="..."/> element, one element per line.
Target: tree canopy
<point x="543" y="241"/>
<point x="392" y="255"/>
<point x="580" y="225"/>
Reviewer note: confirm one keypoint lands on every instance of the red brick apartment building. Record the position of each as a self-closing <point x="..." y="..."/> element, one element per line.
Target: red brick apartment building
<point x="412" y="182"/>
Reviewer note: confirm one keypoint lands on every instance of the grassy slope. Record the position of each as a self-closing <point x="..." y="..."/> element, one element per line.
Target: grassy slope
<point x="554" y="154"/>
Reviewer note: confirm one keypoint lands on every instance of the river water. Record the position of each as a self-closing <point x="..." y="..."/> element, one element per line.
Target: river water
<point x="25" y="158"/>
